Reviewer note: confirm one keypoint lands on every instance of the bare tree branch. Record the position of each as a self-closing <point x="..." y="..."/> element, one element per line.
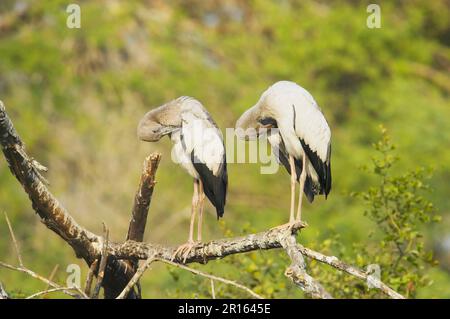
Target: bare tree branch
<point x="205" y="252"/>
<point x="63" y="289"/>
<point x="336" y="263"/>
<point x="147" y="263"/>
<point x="212" y="277"/>
<point x="90" y="277"/>
<point x="297" y="270"/>
<point x="143" y="198"/>
<point x="271" y="239"/>
<point x="23" y="269"/>
<point x="85" y="244"/>
<point x="118" y="273"/>
<point x="142" y="268"/>
<point x="141" y="206"/>
<point x="37" y="276"/>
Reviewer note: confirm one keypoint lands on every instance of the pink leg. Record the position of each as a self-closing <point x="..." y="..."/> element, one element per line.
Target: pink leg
<point x="185" y="249"/>
<point x="302" y="187"/>
<point x="200" y="213"/>
<point x="293" y="182"/>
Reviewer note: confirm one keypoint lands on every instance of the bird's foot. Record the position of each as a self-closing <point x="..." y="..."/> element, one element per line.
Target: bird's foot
<point x="291" y="227"/>
<point x="287" y="226"/>
<point x="184" y="250"/>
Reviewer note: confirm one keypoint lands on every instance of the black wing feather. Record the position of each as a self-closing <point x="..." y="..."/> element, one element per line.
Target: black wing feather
<point x="323" y="169"/>
<point x="215" y="187"/>
<point x="283" y="158"/>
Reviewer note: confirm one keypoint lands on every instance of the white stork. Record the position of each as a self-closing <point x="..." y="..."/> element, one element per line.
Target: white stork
<point x="198" y="148"/>
<point x="302" y="139"/>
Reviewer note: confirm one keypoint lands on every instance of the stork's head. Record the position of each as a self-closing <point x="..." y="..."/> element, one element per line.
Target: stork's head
<point x="159" y="122"/>
<point x="253" y="122"/>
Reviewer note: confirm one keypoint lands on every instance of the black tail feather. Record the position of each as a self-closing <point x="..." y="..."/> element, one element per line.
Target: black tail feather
<point x="215" y="187"/>
<point x="323" y="169"/>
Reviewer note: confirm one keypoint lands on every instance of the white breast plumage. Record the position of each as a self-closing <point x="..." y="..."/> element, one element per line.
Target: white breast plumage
<point x="181" y="156"/>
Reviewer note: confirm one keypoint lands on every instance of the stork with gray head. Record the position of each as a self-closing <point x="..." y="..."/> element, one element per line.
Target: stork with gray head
<point x="198" y="148"/>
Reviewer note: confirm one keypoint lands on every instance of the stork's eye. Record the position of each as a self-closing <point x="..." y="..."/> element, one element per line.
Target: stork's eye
<point x="268" y="121"/>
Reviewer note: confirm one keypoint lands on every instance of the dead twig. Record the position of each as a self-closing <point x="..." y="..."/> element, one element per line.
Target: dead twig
<point x="143" y="198"/>
<point x="90" y="277"/>
<point x="13" y="237"/>
<point x="135" y="278"/>
<point x="63" y="289"/>
<point x="212" y="277"/>
<point x="213" y="291"/>
<point x="37" y="276"/>
<point x="103" y="262"/>
<point x="50" y="278"/>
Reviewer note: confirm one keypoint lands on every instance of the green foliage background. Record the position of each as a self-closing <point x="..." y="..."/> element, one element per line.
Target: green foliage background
<point x="76" y="95"/>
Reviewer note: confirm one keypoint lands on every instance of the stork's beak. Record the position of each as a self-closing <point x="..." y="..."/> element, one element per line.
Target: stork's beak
<point x="165" y="130"/>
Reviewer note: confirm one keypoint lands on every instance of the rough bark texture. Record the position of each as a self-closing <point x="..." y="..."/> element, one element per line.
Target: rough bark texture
<point x="84" y="243"/>
<point x="143" y="198"/>
<point x="141" y="206"/>
<point x="205" y="252"/>
<point x="297" y="271"/>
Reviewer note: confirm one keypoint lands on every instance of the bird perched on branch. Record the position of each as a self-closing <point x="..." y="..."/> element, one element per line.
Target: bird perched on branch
<point x="299" y="136"/>
<point x="198" y="148"/>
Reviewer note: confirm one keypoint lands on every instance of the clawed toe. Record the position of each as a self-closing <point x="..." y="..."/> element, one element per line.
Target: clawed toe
<point x="183" y="251"/>
<point x="283" y="226"/>
<point x="288" y="226"/>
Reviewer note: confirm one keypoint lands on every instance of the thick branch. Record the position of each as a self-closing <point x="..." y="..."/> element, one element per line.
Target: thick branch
<point x="297" y="271"/>
<point x="205" y="251"/>
<point x="51" y="212"/>
<point x="141" y="206"/>
<point x="271" y="239"/>
<point x="85" y="244"/>
<point x="143" y="198"/>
